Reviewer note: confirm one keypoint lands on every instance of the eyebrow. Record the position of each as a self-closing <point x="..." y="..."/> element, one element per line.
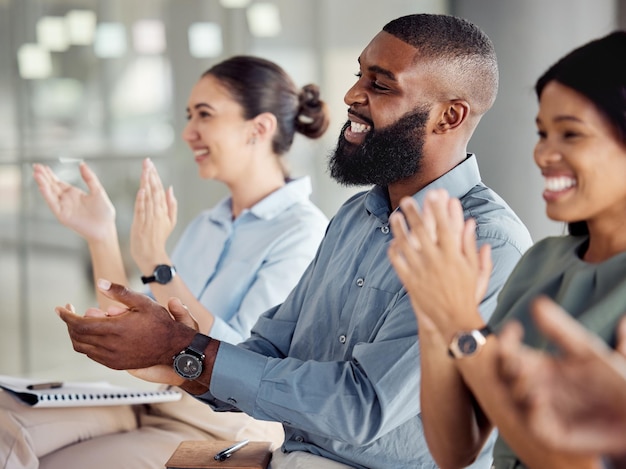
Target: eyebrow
<point x="562" y="119"/>
<point x="199" y="106"/>
<point x="381" y="71"/>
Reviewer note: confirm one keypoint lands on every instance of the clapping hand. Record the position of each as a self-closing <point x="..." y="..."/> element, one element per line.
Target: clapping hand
<point x="435" y="255"/>
<point x="90" y="214"/>
<point x="574" y="401"/>
<point x="141" y="336"/>
<point x="154" y="219"/>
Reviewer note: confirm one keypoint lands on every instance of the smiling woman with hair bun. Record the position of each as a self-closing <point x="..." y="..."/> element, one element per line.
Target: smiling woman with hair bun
<point x="232" y="262"/>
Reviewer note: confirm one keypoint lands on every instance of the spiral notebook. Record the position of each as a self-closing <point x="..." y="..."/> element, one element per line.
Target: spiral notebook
<point x="76" y="394"/>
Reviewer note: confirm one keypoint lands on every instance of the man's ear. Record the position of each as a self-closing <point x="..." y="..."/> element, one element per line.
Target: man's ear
<point x="264" y="126"/>
<point x="453" y="114"/>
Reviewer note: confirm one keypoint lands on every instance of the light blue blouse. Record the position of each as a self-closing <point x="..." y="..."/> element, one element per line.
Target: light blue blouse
<point x="240" y="268"/>
<point x="338" y="362"/>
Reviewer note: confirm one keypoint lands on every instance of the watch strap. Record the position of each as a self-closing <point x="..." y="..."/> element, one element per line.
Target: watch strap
<point x="148" y="279"/>
<point x="199" y="344"/>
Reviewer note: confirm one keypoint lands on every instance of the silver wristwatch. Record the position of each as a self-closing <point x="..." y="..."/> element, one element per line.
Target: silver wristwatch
<point x="190" y="362"/>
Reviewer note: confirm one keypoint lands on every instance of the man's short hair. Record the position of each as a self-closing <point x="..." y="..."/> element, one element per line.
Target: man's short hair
<point x="467" y="54"/>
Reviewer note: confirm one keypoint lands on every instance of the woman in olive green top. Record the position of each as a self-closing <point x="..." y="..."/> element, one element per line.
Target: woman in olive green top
<point x="581" y="152"/>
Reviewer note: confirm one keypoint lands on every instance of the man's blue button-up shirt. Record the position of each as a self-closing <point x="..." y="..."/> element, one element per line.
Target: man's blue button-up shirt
<point x="338" y="362"/>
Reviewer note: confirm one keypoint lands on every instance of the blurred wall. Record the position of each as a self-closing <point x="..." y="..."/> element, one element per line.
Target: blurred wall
<point x="529" y="36"/>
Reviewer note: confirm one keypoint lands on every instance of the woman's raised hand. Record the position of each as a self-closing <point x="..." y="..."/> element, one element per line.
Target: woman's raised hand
<point x="154" y="220"/>
<point x="90" y="214"/>
<point x="435" y="255"/>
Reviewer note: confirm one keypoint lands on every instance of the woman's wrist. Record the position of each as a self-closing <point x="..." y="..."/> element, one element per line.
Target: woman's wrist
<point x="450" y="326"/>
<point x="105" y="243"/>
<point x="146" y="265"/>
<point x="105" y="235"/>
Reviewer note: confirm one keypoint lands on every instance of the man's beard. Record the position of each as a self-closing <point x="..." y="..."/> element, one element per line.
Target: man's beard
<point x="385" y="156"/>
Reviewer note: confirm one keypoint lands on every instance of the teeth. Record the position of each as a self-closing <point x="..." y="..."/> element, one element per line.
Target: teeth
<point x="359" y="128"/>
<point x="560" y="183"/>
<point x="204" y="151"/>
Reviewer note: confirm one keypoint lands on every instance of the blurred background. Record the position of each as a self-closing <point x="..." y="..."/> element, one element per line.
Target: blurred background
<point x="106" y="81"/>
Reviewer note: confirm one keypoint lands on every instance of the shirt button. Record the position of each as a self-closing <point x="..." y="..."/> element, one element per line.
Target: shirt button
<point x="342" y="339"/>
<point x="299" y="438"/>
<point x="359" y="282"/>
<point x="231" y="400"/>
<point x="384" y="229"/>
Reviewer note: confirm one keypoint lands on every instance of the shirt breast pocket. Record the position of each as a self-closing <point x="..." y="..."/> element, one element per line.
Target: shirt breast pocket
<point x="370" y="313"/>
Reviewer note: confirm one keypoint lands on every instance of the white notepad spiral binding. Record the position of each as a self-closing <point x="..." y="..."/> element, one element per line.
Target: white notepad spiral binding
<point x="75" y="394"/>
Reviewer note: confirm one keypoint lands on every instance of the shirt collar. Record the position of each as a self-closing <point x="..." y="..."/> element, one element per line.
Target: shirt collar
<point x="458" y="182"/>
<point x="293" y="192"/>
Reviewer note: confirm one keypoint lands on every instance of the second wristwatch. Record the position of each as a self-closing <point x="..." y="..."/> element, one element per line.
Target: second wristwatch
<point x="162" y="274"/>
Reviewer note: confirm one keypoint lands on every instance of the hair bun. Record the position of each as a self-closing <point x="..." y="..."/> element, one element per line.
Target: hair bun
<point x="310" y="96"/>
<point x="312" y="118"/>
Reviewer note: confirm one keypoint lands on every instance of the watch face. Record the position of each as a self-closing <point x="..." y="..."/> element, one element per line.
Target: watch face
<point x="163" y="274"/>
<point x="467" y="344"/>
<point x="188" y="366"/>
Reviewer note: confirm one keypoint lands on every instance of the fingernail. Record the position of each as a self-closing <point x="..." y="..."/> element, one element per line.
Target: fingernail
<point x="104" y="284"/>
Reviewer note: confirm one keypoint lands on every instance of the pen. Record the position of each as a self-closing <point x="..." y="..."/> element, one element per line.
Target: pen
<point x="227" y="453"/>
<point x="40" y="386"/>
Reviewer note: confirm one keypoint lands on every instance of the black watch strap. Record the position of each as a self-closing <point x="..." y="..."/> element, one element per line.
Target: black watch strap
<point x="148" y="279"/>
<point x="199" y="344"/>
